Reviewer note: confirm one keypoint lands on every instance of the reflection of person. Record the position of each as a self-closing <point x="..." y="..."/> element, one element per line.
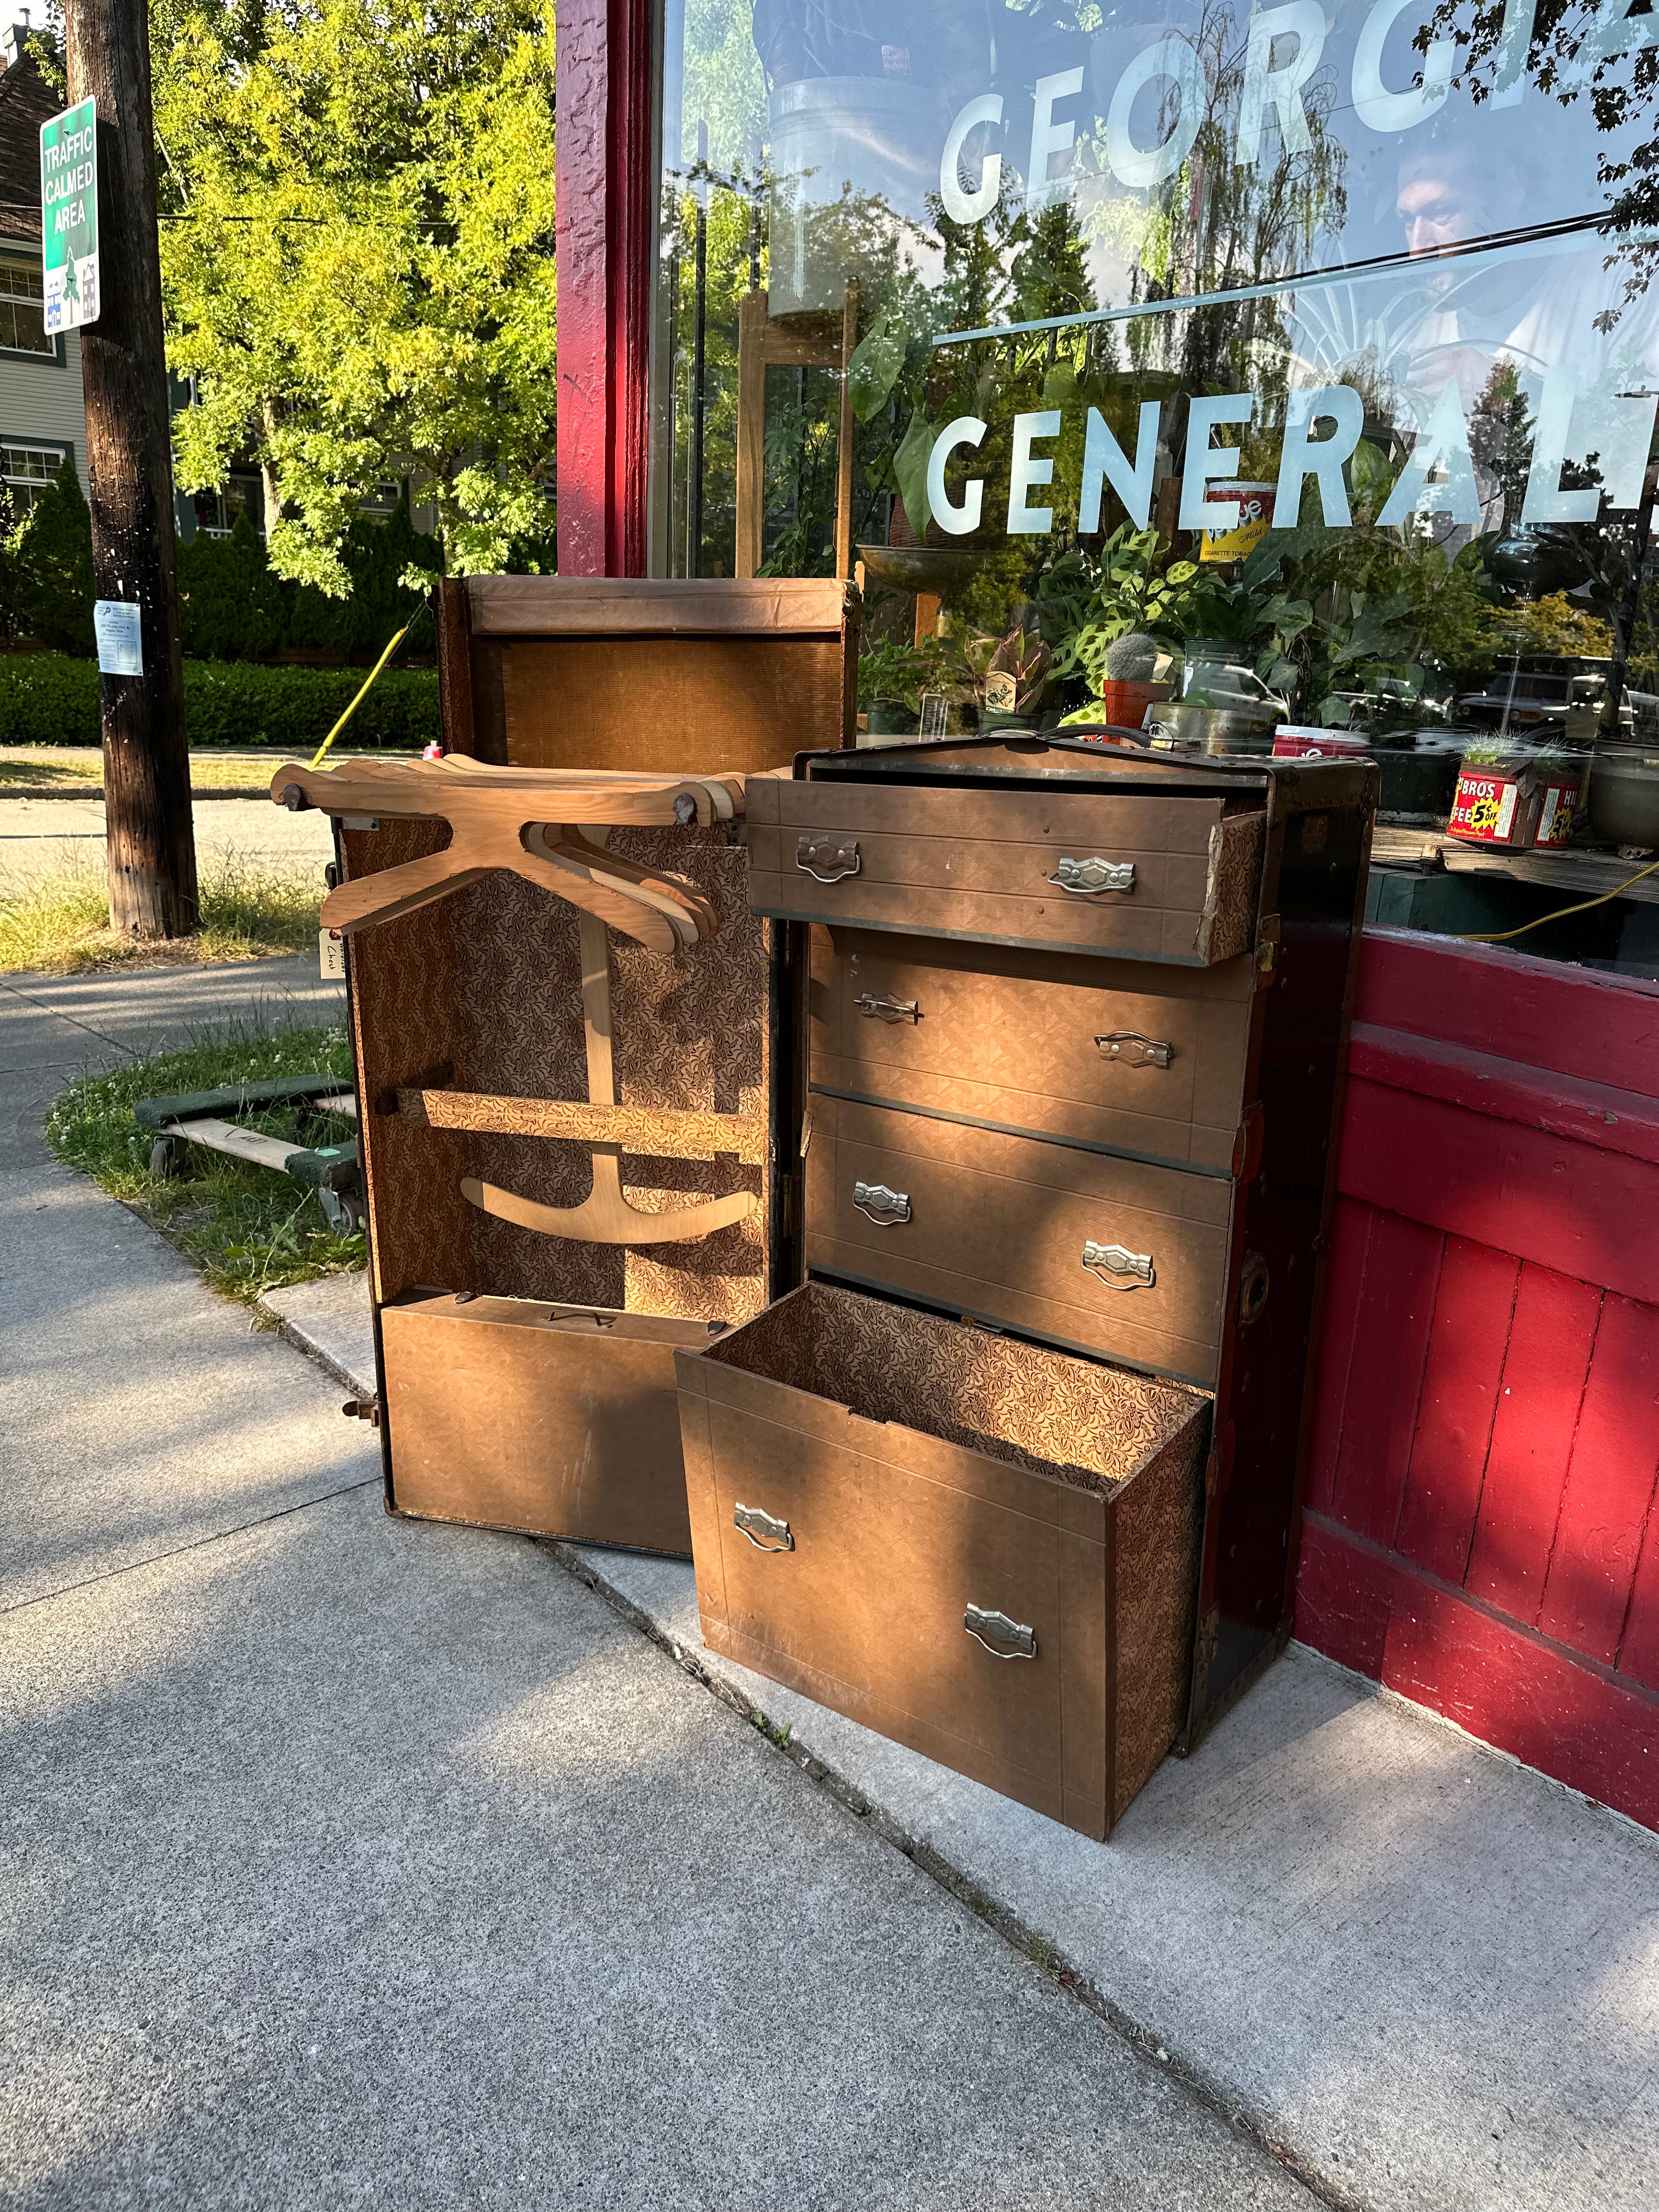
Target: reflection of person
<point x="1538" y="311"/>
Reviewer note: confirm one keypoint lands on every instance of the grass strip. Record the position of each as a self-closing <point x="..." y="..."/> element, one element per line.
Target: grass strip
<point x="249" y="1228"/>
<point x="57" y="922"/>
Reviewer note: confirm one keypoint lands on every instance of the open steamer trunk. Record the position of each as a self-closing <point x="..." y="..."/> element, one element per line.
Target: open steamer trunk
<point x="526" y="1380"/>
<point x="1073" y="1026"/>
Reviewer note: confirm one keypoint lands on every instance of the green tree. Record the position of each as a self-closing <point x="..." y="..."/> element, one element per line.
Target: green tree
<point x="357" y="262"/>
<point x="49" y="555"/>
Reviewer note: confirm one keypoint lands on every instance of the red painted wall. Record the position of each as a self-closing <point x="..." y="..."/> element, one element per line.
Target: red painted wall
<point x="1482" y="1533"/>
<point x="604" y="174"/>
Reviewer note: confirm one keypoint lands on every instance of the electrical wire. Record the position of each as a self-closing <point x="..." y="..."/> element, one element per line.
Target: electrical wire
<point x="425" y="607"/>
<point x="1502" y="936"/>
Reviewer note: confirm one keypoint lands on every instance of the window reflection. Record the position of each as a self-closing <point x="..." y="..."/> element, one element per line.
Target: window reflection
<point x="1259" y="367"/>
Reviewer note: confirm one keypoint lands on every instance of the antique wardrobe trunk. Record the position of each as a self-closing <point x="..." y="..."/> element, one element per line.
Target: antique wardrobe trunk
<point x="1054" y="1094"/>
<point x="526" y="1380"/>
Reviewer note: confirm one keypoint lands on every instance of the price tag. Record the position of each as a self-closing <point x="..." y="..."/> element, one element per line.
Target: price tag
<point x="331" y="955"/>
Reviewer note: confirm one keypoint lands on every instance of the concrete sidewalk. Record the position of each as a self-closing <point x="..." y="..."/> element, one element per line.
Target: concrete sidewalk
<point x="1424" y="1973"/>
<point x="349" y="1862"/>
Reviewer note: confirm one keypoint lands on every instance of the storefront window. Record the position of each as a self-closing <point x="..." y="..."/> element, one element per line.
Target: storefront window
<point x="1214" y="369"/>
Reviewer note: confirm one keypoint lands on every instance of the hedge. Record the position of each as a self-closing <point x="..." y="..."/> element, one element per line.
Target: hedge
<point x="51" y="699"/>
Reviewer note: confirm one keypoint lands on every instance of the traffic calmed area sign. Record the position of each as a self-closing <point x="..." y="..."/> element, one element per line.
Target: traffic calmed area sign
<point x="69" y="216"/>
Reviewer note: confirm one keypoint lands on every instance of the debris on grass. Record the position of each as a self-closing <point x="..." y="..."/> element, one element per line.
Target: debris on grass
<point x="249" y="1228"/>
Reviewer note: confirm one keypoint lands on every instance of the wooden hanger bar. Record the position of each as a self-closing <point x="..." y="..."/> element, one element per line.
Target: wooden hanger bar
<point x="606" y="1216"/>
<point x="658" y="1132"/>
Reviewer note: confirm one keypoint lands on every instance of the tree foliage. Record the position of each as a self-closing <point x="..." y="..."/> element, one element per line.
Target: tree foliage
<point x="357" y="263"/>
<point x="49" y="566"/>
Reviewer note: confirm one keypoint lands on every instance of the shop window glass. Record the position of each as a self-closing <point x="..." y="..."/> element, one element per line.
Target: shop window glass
<point x="1299" y="362"/>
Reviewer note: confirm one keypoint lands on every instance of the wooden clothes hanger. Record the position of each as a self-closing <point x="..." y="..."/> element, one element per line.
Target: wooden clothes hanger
<point x="530" y="823"/>
<point x="499" y="818"/>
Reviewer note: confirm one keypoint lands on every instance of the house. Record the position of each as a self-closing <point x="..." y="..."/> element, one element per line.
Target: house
<point x="42" y="413"/>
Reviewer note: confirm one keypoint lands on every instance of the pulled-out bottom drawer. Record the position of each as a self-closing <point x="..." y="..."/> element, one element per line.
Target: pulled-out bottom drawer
<point x="511" y="1413"/>
<point x="984" y="1550"/>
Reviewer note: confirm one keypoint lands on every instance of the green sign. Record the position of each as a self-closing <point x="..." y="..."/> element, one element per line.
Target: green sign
<point x="69" y="216"/>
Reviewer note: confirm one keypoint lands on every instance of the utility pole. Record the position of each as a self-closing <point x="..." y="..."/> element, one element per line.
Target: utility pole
<point x="152" y="844"/>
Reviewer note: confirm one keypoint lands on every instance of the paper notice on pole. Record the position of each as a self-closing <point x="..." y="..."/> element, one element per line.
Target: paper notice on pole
<point x="69" y="216"/>
<point x="116" y="625"/>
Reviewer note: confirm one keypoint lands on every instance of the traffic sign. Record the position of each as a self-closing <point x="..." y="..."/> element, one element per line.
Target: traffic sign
<point x="69" y="216"/>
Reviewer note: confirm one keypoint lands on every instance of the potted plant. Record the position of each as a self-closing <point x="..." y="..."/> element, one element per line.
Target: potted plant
<point x="891" y="678"/>
<point x="1010" y="680"/>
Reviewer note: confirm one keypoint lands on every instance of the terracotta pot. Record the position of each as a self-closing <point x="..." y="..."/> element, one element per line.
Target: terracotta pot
<point x="1126" y="704"/>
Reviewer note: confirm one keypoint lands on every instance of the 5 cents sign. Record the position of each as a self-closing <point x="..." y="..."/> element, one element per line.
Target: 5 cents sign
<point x="69" y="216"/>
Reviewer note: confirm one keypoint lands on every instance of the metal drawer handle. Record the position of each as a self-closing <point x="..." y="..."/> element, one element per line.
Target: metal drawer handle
<point x="828" y="859"/>
<point x="1104" y="1260"/>
<point x="982" y="1622"/>
<point x="884" y="1207"/>
<point x="757" y="1525"/>
<point x="888" y="1010"/>
<point x="1133" y="1049"/>
<point x="1088" y="878"/>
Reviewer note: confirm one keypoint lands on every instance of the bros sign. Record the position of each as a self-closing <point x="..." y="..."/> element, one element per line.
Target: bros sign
<point x="69" y="216"/>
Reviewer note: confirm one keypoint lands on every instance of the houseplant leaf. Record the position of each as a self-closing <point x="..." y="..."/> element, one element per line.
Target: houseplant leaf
<point x="874" y="370"/>
<point x="910" y="467"/>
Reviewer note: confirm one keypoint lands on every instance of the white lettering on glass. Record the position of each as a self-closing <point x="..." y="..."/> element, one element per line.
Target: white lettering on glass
<point x="971" y="207"/>
<point x="1303" y="456"/>
<point x="966" y="430"/>
<point x="1509" y="64"/>
<point x="1104" y="459"/>
<point x="1049" y="139"/>
<point x="1024" y="473"/>
<point x="1279" y="86"/>
<point x="1131" y="164"/>
<point x="1373" y="102"/>
<point x="1607" y="38"/>
<point x="1444" y="444"/>
<point x="1206" y="462"/>
<point x="1616" y="428"/>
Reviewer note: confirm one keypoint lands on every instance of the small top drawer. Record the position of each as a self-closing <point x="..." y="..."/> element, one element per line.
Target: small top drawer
<point x="1158" y="878"/>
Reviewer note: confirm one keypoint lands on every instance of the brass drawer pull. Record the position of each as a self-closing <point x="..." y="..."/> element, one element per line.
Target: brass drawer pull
<point x="982" y="1622"/>
<point x="1133" y="1049"/>
<point x="884" y="1207"/>
<point x="828" y="859"/>
<point x="888" y="1010"/>
<point x="1105" y="1260"/>
<point x="1089" y="879"/>
<point x="757" y="1526"/>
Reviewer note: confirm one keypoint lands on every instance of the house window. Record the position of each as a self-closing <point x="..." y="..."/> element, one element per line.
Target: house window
<point x="216" y="511"/>
<point x="26" y="470"/>
<point x="22" y="314"/>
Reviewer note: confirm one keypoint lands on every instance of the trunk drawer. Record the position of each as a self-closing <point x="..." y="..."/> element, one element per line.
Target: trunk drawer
<point x="984" y="1550"/>
<point x="1167" y="880"/>
<point x="1141" y="1060"/>
<point x="996" y="1226"/>
<point x="513" y="1414"/>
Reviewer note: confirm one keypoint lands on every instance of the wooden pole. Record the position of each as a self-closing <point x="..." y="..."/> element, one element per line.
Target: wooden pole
<point x="152" y="846"/>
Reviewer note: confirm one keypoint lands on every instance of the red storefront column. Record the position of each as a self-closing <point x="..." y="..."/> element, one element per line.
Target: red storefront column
<point x="1482" y="1523"/>
<point x="604" y="179"/>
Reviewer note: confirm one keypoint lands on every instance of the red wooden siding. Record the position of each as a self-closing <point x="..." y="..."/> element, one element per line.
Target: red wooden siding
<point x="1482" y="1529"/>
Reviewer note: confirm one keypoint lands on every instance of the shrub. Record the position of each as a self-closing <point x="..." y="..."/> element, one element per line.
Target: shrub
<point x="50" y="566"/>
<point x="49" y="699"/>
<point x="230" y="605"/>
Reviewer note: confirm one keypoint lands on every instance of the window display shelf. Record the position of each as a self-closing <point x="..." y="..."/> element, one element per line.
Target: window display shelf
<point x="1590" y="873"/>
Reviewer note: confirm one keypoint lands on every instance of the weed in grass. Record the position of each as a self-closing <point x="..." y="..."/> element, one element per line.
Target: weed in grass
<point x="58" y="922"/>
<point x="250" y="1229"/>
